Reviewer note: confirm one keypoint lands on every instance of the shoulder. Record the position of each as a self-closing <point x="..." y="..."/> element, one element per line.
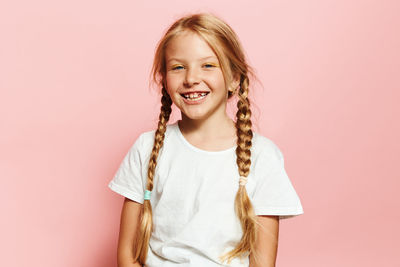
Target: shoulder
<point x="264" y="146"/>
<point x="145" y="140"/>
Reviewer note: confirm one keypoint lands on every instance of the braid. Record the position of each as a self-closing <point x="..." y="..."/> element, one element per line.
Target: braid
<point x="146" y="222"/>
<point x="243" y="207"/>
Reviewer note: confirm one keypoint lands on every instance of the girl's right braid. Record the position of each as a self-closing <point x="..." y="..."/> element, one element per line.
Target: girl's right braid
<point x="146" y="223"/>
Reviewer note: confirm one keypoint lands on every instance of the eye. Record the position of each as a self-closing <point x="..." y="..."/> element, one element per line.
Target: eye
<point x="176" y="67"/>
<point x="209" y="65"/>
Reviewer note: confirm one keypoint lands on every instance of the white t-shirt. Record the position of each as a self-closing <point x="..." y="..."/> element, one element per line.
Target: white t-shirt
<point x="194" y="221"/>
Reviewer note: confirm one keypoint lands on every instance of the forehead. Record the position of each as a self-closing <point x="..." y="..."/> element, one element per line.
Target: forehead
<point x="188" y="46"/>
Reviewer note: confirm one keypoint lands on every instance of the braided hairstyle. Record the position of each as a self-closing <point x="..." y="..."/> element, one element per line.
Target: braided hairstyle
<point x="146" y="223"/>
<point x="224" y="42"/>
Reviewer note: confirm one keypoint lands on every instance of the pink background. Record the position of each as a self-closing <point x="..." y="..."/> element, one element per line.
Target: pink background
<point x="75" y="95"/>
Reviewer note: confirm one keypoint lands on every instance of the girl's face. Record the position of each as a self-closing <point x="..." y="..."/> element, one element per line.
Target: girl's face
<point x="194" y="79"/>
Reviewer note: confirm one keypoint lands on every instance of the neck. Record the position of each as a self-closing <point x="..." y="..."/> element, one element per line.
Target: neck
<point x="209" y="128"/>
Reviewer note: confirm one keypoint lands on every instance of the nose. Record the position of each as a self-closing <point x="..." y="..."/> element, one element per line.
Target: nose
<point x="192" y="77"/>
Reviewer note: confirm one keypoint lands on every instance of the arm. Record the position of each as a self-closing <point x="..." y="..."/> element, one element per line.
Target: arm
<point x="127" y="234"/>
<point x="267" y="242"/>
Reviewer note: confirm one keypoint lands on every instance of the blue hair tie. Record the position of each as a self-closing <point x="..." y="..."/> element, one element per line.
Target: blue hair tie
<point x="147" y="194"/>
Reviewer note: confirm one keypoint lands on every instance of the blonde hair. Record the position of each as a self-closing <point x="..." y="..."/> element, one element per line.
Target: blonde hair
<point x="225" y="44"/>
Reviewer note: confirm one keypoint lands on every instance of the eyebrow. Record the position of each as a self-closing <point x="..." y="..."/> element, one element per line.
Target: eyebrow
<point x="177" y="59"/>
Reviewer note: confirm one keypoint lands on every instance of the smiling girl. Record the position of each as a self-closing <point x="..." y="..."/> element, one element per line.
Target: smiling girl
<point x="205" y="190"/>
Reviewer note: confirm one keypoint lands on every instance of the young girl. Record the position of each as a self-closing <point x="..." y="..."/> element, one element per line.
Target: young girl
<point x="204" y="190"/>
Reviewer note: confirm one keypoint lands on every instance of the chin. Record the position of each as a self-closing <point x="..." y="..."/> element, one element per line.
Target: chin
<point x="192" y="116"/>
<point x="195" y="117"/>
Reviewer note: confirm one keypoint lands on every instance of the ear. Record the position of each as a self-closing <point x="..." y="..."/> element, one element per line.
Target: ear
<point x="235" y="83"/>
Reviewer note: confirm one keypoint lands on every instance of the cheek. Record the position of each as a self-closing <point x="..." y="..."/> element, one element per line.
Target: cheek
<point x="171" y="86"/>
<point x="217" y="82"/>
<point x="172" y="81"/>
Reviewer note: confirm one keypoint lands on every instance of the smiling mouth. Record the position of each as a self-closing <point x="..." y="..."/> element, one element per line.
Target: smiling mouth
<point x="195" y="96"/>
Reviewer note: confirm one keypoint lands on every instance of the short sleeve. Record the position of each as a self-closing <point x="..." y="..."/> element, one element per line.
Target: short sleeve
<point x="128" y="180"/>
<point x="274" y="193"/>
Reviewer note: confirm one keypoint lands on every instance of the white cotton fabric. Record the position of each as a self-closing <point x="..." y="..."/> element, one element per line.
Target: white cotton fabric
<point x="193" y="196"/>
